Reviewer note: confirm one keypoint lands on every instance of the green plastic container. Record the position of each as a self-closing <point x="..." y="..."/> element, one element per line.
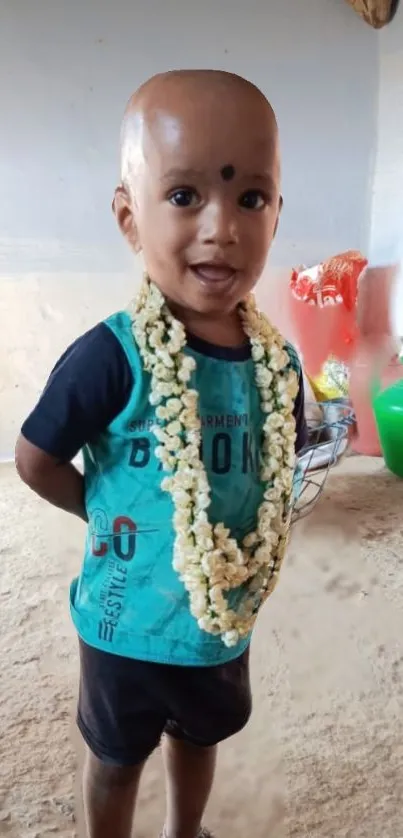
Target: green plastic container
<point x="388" y="409"/>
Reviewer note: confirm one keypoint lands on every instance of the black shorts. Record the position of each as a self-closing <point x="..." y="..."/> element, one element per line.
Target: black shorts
<point x="126" y="705"/>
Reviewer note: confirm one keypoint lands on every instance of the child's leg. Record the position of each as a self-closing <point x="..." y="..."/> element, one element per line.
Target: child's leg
<point x="121" y="720"/>
<point x="189" y="778"/>
<point x="207" y="705"/>
<point x="109" y="797"/>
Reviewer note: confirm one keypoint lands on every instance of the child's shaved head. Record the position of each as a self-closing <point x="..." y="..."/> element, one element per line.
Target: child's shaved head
<point x="200" y="185"/>
<point x="184" y="94"/>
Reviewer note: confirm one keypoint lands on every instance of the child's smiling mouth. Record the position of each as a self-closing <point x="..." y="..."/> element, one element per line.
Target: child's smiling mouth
<point x="214" y="275"/>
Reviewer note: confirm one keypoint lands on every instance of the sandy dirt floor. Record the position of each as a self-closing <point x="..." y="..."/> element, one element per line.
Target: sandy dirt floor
<point x="323" y="755"/>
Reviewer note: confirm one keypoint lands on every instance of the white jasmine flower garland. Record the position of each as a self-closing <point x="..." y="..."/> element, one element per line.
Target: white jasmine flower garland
<point x="209" y="562"/>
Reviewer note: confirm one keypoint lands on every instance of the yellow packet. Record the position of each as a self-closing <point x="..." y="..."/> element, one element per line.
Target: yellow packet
<point x="331" y="383"/>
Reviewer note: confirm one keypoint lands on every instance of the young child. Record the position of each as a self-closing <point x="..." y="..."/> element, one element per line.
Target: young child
<point x="188" y="409"/>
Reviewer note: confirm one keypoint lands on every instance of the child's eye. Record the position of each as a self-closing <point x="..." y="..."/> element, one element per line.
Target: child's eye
<point x="184" y="198"/>
<point x="253" y="199"/>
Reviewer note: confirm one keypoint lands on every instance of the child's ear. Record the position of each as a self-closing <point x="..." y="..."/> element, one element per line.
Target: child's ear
<point x="122" y="208"/>
<point x="280" y="207"/>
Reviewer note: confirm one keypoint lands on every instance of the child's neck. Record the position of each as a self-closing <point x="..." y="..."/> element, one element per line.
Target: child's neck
<point x="221" y="330"/>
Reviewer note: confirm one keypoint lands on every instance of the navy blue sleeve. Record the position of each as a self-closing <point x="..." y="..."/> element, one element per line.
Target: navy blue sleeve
<point x="299" y="413"/>
<point x="89" y="386"/>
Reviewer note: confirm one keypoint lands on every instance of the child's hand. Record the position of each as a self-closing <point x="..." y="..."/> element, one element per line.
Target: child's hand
<point x="374" y="303"/>
<point x="57" y="482"/>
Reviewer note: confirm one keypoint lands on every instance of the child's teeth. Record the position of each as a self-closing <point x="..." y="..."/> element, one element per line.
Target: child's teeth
<point x="214" y="272"/>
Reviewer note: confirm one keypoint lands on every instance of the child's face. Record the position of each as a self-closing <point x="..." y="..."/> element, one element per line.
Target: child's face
<point x="205" y="204"/>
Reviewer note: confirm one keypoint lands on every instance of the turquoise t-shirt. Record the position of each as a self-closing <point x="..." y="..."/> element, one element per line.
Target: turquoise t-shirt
<point x="128" y="599"/>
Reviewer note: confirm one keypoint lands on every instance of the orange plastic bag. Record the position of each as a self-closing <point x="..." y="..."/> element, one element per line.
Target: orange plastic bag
<point x="323" y="309"/>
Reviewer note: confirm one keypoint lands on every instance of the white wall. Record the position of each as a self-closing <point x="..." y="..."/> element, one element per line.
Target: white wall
<point x="66" y="71"/>
<point x="387" y="206"/>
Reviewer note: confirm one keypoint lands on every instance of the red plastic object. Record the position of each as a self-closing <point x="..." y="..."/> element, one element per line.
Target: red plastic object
<point x="323" y="309"/>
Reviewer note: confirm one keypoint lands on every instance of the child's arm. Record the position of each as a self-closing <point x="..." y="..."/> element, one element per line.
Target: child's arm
<point x="59" y="483"/>
<point x="88" y="388"/>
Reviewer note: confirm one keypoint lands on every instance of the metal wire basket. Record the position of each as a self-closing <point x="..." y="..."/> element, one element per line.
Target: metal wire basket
<point x="329" y="435"/>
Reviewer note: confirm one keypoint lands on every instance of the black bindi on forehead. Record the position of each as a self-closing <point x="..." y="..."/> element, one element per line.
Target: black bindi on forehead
<point x="227" y="172"/>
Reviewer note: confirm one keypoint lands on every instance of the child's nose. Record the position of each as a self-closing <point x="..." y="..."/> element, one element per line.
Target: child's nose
<point x="219" y="224"/>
